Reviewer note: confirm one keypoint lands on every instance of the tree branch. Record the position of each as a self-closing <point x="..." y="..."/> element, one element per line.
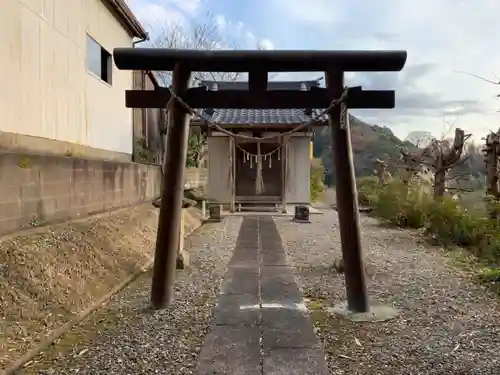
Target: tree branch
<point x="203" y="35"/>
<point x="479" y="77"/>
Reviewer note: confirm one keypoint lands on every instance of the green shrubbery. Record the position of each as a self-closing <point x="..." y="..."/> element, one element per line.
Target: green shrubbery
<point x="446" y="222"/>
<point x="142" y="153"/>
<point x="317" y="176"/>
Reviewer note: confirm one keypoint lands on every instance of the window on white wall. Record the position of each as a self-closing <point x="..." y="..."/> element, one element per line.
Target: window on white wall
<point x="99" y="61"/>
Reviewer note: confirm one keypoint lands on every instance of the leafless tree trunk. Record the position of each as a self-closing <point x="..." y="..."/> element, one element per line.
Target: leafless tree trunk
<point x="492" y="154"/>
<point x="382" y="173"/>
<point x="444" y="155"/>
<point x="440" y="156"/>
<point x="412" y="163"/>
<point x="439" y="183"/>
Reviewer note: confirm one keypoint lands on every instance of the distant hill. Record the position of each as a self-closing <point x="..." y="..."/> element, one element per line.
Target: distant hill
<point x="369" y="142"/>
<point x="372" y="142"/>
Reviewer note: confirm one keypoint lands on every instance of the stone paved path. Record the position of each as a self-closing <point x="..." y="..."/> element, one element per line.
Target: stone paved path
<point x="260" y="325"/>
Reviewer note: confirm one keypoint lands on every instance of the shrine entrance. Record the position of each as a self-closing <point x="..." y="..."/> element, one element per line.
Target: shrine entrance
<point x="258" y="185"/>
<point x="182" y="102"/>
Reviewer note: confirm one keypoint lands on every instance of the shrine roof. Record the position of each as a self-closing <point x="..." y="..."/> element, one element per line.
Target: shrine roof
<point x="258" y="116"/>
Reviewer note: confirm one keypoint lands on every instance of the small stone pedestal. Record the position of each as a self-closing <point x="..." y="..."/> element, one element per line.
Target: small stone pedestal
<point x="214" y="213"/>
<point x="302" y="214"/>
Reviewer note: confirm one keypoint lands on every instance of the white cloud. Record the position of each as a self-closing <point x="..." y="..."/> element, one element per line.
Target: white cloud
<point x="153" y="15"/>
<point x="442" y="37"/>
<point x="157" y="15"/>
<point x="312" y="10"/>
<point x="265" y="44"/>
<point x="221" y="21"/>
<point x="190" y="7"/>
<point x="250" y="36"/>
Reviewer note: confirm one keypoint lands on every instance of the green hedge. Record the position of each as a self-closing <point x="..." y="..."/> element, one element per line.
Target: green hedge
<point x="317" y="176"/>
<point x="445" y="221"/>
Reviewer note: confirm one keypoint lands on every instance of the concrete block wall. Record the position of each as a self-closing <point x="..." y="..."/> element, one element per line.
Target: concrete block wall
<point x="195" y="178"/>
<point x="38" y="189"/>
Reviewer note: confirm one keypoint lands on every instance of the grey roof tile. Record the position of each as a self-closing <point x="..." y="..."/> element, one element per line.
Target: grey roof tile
<point x="258" y="116"/>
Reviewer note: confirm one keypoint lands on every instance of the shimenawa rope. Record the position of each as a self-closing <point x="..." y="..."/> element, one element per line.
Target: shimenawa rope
<point x="339" y="101"/>
<point x="259" y="183"/>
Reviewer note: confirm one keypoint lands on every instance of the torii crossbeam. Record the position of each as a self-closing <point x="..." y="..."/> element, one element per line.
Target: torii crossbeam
<point x="258" y="64"/>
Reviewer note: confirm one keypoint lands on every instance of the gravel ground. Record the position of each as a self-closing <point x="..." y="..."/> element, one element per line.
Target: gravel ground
<point x="448" y="324"/>
<point x="126" y="337"/>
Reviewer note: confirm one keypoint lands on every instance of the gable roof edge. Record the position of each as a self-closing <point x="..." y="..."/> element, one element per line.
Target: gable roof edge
<point x="127" y="18"/>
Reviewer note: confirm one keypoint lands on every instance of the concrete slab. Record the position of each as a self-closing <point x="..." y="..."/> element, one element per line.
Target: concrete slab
<point x="246" y="246"/>
<point x="269" y="270"/>
<point x="296" y="361"/>
<point x="236" y="317"/>
<point x="290" y="333"/>
<point x="279" y="286"/>
<point x="242" y="268"/>
<point x="280" y="291"/>
<point x="249" y="258"/>
<point x="274" y="259"/>
<point x="282" y="312"/>
<point x="248" y="263"/>
<point x="260" y="324"/>
<point x="231" y="351"/>
<point x="243" y="283"/>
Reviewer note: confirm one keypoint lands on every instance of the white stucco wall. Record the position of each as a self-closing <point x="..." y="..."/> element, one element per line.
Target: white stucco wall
<point x="219" y="188"/>
<point x="298" y="187"/>
<point x="46" y="90"/>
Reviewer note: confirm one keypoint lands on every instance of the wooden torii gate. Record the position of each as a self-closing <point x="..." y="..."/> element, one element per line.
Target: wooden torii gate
<point x="258" y="64"/>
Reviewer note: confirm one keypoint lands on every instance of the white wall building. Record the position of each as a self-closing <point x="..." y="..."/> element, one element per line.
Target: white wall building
<point x="60" y="90"/>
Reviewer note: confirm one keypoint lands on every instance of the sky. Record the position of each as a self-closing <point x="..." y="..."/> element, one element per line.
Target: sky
<point x="446" y="40"/>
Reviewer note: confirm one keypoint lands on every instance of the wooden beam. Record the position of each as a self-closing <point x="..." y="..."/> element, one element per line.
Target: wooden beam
<point x="257" y="81"/>
<point x="317" y="98"/>
<point x="270" y="61"/>
<point x="172" y="189"/>
<point x="347" y="201"/>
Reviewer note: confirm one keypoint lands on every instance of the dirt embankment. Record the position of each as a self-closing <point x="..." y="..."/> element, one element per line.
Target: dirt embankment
<point x="49" y="275"/>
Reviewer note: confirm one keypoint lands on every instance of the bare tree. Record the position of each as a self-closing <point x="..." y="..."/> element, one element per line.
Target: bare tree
<point x="204" y="35"/>
<point x="442" y="156"/>
<point x="439" y="157"/>
<point x="492" y="154"/>
<point x="419" y="138"/>
<point x="494" y="82"/>
<point x="412" y="163"/>
<point x="381" y="172"/>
